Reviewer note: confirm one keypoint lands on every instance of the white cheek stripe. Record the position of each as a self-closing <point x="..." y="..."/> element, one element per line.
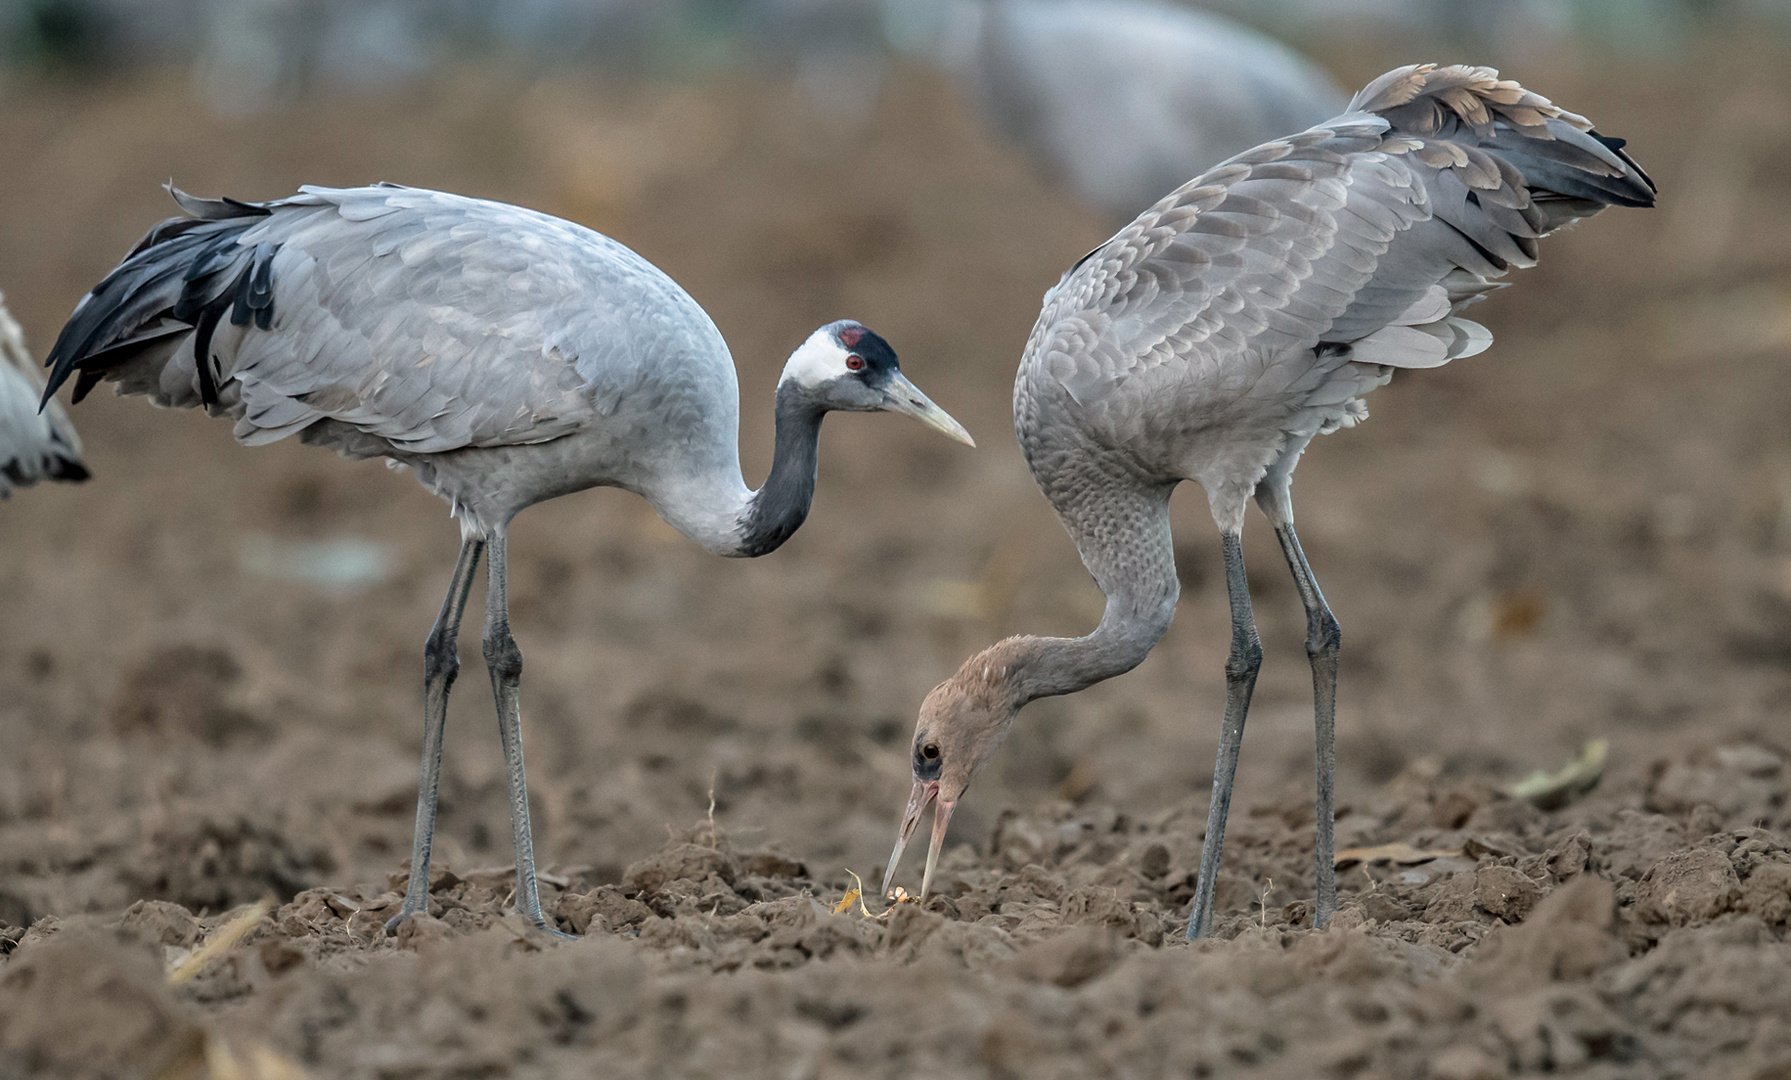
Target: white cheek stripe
<point x="820" y="359"/>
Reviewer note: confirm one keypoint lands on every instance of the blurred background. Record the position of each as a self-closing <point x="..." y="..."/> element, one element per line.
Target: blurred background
<point x="210" y="656"/>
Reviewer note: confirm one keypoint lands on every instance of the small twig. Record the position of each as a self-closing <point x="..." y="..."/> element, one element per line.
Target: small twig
<point x="714" y="839"/>
<point x="1262" y="902"/>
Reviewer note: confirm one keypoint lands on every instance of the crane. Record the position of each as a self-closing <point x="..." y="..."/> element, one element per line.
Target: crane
<point x="506" y="356"/>
<point x="1119" y="99"/>
<point x="34" y="445"/>
<point x="1211" y="339"/>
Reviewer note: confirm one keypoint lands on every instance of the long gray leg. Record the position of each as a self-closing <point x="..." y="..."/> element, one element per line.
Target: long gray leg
<point x="1324" y="639"/>
<point x="1240" y="681"/>
<point x="441" y="663"/>
<point x="504" y="660"/>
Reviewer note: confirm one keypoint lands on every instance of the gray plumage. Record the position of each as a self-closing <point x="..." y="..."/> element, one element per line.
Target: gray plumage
<point x="1214" y="337"/>
<point x="1124" y="99"/>
<point x="34" y="445"/>
<point x="423" y="327"/>
<point x="509" y="357"/>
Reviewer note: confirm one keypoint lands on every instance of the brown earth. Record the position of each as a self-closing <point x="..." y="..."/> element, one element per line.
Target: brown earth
<point x="1585" y="533"/>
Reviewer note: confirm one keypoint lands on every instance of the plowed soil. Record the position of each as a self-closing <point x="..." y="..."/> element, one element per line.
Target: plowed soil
<point x="1583" y="534"/>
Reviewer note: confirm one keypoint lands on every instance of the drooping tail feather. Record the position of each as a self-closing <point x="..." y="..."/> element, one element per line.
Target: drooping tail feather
<point x="177" y="283"/>
<point x="1568" y="155"/>
<point x="1501" y="167"/>
<point x="1508" y="165"/>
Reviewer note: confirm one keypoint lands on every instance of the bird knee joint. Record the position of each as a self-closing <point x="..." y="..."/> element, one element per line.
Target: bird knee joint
<point x="440" y="660"/>
<point x="1245" y="659"/>
<point x="1325" y="638"/>
<point x="502" y="656"/>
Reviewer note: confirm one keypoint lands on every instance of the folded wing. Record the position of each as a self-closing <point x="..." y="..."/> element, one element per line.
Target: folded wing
<point x="1356" y="242"/>
<point x="430" y="321"/>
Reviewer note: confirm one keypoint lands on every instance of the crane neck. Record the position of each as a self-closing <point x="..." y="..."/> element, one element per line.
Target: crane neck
<point x="1122" y="533"/>
<point x="779" y="508"/>
<point x="1051" y="666"/>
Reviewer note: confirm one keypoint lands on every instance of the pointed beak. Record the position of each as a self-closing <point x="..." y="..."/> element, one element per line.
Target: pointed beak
<point x="941" y="817"/>
<point x="925" y="792"/>
<point x="902" y="396"/>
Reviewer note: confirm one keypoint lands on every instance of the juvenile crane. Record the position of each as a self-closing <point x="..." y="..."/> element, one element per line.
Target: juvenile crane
<point x="507" y="356"/>
<point x="34" y="445"/>
<point x="1211" y="339"/>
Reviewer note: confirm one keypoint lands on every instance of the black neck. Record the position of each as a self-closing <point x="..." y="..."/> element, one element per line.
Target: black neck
<point x="779" y="508"/>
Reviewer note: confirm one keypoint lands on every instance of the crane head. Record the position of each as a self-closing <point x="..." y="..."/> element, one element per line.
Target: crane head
<point x="962" y="722"/>
<point x="843" y="367"/>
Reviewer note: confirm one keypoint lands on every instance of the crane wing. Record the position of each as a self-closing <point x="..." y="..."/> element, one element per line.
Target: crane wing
<point x="428" y="320"/>
<point x="1355" y="242"/>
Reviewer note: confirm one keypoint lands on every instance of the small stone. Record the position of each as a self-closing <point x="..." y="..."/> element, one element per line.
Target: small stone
<point x="1571" y="856"/>
<point x="1690" y="887"/>
<point x="1505" y="891"/>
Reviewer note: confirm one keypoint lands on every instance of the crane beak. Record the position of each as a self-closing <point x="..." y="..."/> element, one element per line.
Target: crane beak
<point x="902" y="396"/>
<point x="925" y="792"/>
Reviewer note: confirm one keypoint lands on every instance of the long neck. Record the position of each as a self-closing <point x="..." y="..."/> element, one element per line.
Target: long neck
<point x="778" y="509"/>
<point x="1050" y="666"/>
<point x="1124" y="539"/>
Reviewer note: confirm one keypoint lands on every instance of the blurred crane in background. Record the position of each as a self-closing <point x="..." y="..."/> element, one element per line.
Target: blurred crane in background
<point x="1103" y="93"/>
<point x="1121" y="100"/>
<point x="1211" y="340"/>
<point x="33" y="445"/>
<point x="507" y="356"/>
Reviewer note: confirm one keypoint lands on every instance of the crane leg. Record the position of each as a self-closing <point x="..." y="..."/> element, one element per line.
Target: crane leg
<point x="1323" y="641"/>
<point x="504" y="660"/>
<point x="1240" y="681"/>
<point x="441" y="663"/>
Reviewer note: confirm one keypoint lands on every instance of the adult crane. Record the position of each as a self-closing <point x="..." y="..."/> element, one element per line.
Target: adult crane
<point x="1210" y="340"/>
<point x="507" y="356"/>
<point x="34" y="445"/>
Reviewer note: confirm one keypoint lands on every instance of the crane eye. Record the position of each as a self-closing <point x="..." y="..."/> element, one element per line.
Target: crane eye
<point x="854" y="362"/>
<point x="930" y="751"/>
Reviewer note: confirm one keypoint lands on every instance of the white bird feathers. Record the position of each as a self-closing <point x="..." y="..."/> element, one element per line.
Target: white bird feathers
<point x="34" y="445"/>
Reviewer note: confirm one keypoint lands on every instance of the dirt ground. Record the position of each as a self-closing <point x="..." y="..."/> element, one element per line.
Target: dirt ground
<point x="1583" y="534"/>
